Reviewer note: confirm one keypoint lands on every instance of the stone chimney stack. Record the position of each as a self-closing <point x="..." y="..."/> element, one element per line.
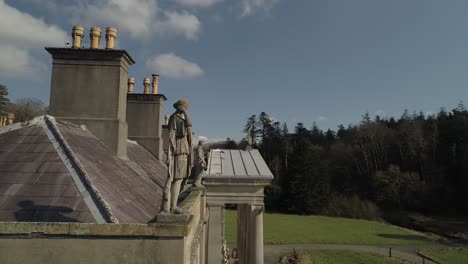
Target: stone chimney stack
<point x="144" y="117"/>
<point x="77" y="35"/>
<point x="146" y="84"/>
<point x="111" y="35"/>
<point x="131" y="85"/>
<point x="95" y="36"/>
<point x="89" y="87"/>
<point x="155" y="83"/>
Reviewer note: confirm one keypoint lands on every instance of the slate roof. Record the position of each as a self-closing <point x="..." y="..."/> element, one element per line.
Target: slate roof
<point x="57" y="171"/>
<point x="233" y="163"/>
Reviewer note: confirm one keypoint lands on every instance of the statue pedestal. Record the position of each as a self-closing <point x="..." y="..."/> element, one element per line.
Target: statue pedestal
<point x="196" y="188"/>
<point x="173" y="218"/>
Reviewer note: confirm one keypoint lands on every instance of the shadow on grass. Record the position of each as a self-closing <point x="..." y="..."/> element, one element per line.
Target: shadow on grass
<point x="404" y="237"/>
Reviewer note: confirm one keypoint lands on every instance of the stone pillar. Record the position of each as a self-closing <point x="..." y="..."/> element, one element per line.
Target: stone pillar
<point x="243" y="234"/>
<point x="215" y="233"/>
<point x="204" y="217"/>
<point x="256" y="231"/>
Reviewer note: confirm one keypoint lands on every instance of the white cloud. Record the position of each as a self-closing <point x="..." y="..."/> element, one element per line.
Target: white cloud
<point x="139" y="18"/>
<point x="322" y="118"/>
<point x="173" y="66"/>
<point x="18" y="63"/>
<point x="176" y="23"/>
<point x="20" y="34"/>
<point x="251" y="7"/>
<point x="429" y="113"/>
<point x="20" y="28"/>
<point x="134" y="17"/>
<point x="207" y="140"/>
<point x="379" y="112"/>
<point x="198" y="3"/>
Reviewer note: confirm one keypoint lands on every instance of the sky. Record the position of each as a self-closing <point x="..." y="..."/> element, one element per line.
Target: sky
<point x="323" y="61"/>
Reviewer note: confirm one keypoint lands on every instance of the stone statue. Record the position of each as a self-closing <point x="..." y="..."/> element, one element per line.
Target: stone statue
<point x="224" y="252"/>
<point x="179" y="156"/>
<point x="200" y="165"/>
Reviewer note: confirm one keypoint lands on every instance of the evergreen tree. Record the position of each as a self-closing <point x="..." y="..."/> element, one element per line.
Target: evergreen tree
<point x="3" y="98"/>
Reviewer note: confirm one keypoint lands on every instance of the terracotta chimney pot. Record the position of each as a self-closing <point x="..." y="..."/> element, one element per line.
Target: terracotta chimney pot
<point x="146" y="84"/>
<point x="111" y="35"/>
<point x="155" y="83"/>
<point x="95" y="36"/>
<point x="131" y="85"/>
<point x="77" y="35"/>
<point x="11" y="118"/>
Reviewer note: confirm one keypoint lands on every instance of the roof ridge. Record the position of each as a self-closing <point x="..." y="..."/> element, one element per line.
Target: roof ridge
<point x="37" y="121"/>
<point x="50" y="124"/>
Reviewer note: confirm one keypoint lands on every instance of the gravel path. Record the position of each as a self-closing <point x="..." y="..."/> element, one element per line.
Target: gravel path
<point x="274" y="252"/>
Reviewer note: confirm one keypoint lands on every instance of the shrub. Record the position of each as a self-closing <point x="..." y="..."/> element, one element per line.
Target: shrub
<point x="351" y="207"/>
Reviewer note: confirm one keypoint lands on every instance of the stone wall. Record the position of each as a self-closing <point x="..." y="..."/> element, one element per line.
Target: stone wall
<point x="170" y="243"/>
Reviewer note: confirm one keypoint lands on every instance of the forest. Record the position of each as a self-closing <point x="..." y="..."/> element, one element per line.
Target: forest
<point x="416" y="163"/>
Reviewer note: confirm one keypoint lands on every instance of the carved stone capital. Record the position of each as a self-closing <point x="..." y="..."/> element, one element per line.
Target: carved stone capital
<point x="257" y="208"/>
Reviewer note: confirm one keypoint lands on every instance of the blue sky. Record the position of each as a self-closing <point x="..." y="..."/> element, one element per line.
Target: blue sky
<point x="327" y="61"/>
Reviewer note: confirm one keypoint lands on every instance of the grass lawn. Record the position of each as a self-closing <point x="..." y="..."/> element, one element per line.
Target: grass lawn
<point x="459" y="224"/>
<point x="296" y="229"/>
<point x="447" y="256"/>
<point x="345" y="257"/>
<point x="448" y="226"/>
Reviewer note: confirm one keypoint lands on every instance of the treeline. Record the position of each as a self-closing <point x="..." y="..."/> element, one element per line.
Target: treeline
<point x="415" y="162"/>
<point x="24" y="109"/>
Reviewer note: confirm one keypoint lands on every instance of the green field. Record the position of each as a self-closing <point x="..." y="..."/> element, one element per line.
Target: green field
<point x="344" y="257"/>
<point x="296" y="229"/>
<point x="447" y="256"/>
